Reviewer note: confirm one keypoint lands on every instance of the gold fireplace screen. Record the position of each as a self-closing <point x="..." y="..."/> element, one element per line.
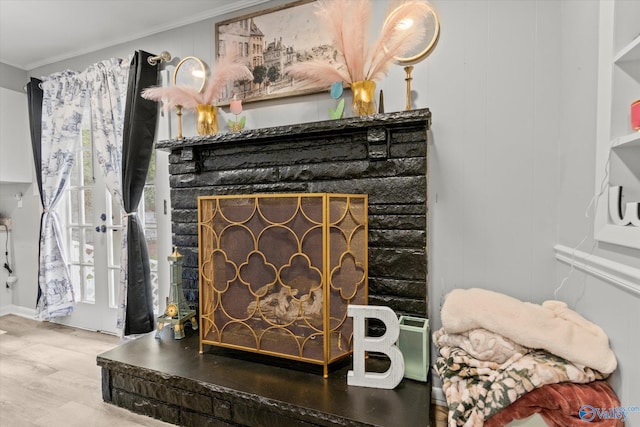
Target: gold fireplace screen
<point x="277" y="272"/>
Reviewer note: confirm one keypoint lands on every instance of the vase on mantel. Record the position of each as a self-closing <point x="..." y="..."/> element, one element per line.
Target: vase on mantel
<point x="363" y="103"/>
<point x="207" y="119"/>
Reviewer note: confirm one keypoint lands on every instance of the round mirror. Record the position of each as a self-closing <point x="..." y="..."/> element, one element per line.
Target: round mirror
<point x="427" y="28"/>
<point x="192" y="72"/>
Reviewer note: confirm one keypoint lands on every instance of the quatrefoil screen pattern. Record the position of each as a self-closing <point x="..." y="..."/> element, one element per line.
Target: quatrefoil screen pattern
<point x="278" y="271"/>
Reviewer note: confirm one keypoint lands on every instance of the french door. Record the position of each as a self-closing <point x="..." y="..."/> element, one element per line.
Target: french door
<point x="92" y="229"/>
<point x="92" y="226"/>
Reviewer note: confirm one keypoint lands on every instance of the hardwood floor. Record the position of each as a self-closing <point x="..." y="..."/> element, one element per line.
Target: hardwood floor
<point x="49" y="377"/>
<point x="438" y="415"/>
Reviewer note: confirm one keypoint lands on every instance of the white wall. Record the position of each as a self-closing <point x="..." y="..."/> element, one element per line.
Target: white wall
<point x="493" y="87"/>
<point x="512" y="89"/>
<point x="494" y="91"/>
<point x="512" y="86"/>
<point x="23" y="239"/>
<point x="23" y="247"/>
<point x="616" y="310"/>
<point x="12" y="78"/>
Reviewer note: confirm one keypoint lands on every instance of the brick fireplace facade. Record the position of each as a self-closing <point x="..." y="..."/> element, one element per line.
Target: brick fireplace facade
<point x="384" y="156"/>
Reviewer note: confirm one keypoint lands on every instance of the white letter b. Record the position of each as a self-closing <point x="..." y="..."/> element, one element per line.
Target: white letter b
<point x="383" y="344"/>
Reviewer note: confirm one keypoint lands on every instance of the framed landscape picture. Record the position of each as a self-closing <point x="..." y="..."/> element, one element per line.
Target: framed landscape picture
<point x="268" y="42"/>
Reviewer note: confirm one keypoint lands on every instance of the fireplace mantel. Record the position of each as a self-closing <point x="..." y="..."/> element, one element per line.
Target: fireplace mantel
<point x="265" y="135"/>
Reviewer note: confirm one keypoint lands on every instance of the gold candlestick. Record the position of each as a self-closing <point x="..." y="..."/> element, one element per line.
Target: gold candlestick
<point x="408" y="69"/>
<point x="179" y="114"/>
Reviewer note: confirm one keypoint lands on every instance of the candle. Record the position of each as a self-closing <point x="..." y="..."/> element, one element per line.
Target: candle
<point x="635" y="115"/>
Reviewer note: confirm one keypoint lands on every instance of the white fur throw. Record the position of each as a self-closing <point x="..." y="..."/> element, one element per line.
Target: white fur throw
<point x="551" y="326"/>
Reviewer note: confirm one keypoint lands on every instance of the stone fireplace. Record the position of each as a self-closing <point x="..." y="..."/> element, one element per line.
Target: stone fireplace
<point x="383" y="156"/>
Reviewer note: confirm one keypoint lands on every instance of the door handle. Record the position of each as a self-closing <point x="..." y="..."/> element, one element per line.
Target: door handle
<point x="101" y="228"/>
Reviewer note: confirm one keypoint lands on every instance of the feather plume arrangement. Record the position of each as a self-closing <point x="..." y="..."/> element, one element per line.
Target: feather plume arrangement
<point x="226" y="70"/>
<point x="348" y="23"/>
<point x="173" y="96"/>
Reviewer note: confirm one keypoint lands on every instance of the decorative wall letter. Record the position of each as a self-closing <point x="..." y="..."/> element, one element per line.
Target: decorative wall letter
<point x="631" y="212"/>
<point x="383" y="344"/>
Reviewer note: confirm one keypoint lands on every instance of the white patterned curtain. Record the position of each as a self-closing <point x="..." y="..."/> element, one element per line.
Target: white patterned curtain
<point x="107" y="82"/>
<point x="64" y="96"/>
<point x="112" y="101"/>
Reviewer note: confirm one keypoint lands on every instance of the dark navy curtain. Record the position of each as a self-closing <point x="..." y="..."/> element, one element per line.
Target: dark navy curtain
<point x="140" y="120"/>
<point x="34" y="99"/>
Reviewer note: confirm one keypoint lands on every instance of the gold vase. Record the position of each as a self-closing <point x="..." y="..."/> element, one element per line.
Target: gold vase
<point x="363" y="103"/>
<point x="207" y="120"/>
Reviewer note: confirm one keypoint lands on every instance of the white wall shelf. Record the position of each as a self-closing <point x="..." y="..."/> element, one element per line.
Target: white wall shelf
<point x="629" y="53"/>
<point x="621" y="275"/>
<point x="627" y="141"/>
<point x="617" y="145"/>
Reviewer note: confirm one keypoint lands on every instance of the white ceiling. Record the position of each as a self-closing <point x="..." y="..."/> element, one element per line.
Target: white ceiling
<point x="34" y="33"/>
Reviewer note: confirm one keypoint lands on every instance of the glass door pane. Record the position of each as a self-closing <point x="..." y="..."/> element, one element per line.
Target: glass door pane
<point x="93" y="232"/>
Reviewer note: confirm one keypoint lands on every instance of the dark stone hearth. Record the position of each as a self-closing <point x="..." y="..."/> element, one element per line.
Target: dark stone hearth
<point x="383" y="155"/>
<point x="169" y="380"/>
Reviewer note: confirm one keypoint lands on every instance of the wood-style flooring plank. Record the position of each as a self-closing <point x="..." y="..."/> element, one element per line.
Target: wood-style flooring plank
<point x="49" y="377"/>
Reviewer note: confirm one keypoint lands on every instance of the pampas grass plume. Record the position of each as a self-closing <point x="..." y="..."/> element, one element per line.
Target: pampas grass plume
<point x="348" y="24"/>
<point x="226" y="70"/>
<point x="173" y="96"/>
<point x="317" y="71"/>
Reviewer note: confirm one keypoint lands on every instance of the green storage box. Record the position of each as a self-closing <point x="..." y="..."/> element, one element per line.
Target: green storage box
<point x="414" y="345"/>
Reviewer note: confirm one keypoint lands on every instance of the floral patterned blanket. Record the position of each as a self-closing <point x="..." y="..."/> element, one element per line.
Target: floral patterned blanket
<point x="476" y="389"/>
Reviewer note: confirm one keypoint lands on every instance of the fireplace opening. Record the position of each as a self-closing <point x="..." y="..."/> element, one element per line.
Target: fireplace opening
<point x="277" y="272"/>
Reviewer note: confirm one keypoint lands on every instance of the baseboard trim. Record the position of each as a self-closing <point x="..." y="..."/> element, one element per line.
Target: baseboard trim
<point x="29" y="313"/>
<point x="437" y="396"/>
<point x="620" y="275"/>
